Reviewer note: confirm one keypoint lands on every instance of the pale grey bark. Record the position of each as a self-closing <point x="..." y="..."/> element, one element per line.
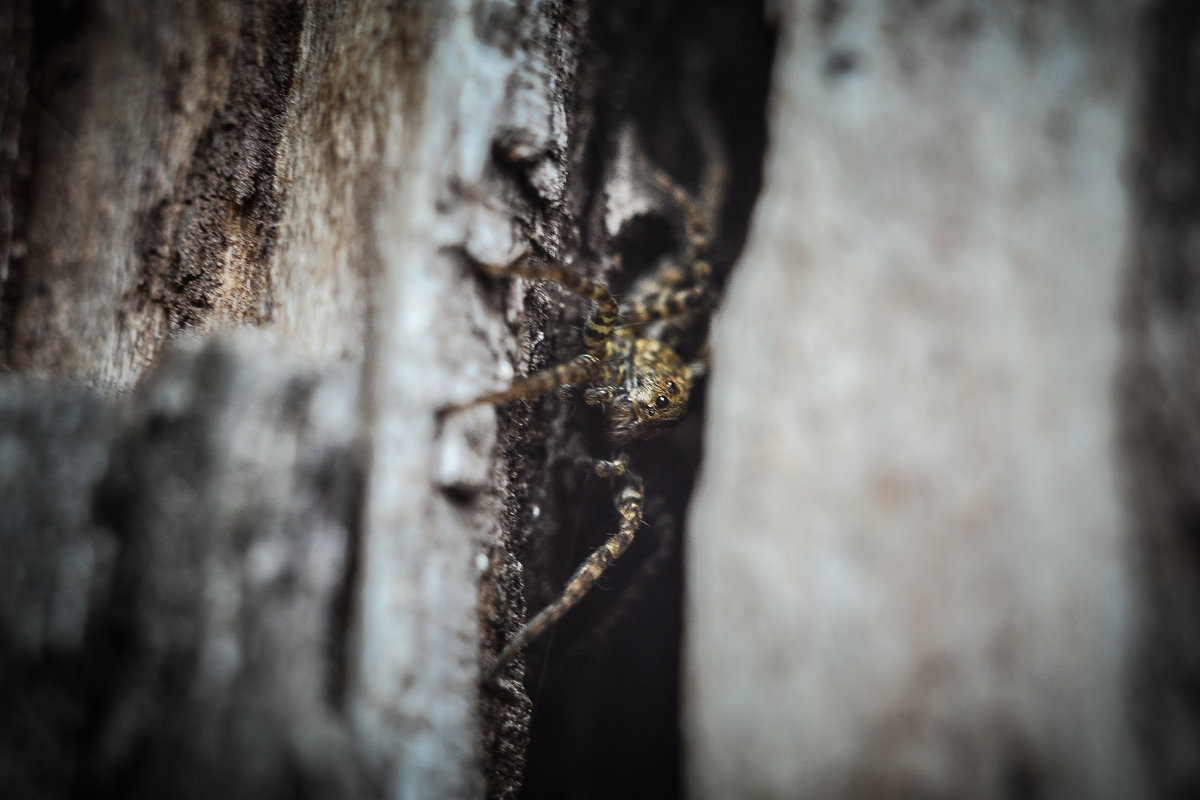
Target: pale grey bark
<point x="915" y="568"/>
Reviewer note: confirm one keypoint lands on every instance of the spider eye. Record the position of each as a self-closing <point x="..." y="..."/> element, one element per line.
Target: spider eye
<point x="662" y="401"/>
<point x="670" y="387"/>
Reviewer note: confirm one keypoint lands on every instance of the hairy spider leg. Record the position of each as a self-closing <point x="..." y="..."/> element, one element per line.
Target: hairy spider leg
<point x="597" y="332"/>
<point x="698" y="231"/>
<point x="630" y="504"/>
<point x="673" y="302"/>
<point x="597" y="335"/>
<point x="668" y="299"/>
<point x="578" y="370"/>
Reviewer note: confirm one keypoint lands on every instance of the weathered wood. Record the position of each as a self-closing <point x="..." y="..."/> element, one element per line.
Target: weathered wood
<point x="234" y="491"/>
<point x="296" y="546"/>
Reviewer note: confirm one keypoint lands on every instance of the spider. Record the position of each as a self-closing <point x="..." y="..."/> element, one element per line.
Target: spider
<point x="630" y="369"/>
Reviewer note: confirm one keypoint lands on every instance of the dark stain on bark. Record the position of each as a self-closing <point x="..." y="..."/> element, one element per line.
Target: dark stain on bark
<point x="207" y="250"/>
<point x="830" y="14"/>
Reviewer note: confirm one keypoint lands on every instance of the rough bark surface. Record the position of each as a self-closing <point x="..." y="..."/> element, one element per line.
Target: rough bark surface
<point x="257" y="571"/>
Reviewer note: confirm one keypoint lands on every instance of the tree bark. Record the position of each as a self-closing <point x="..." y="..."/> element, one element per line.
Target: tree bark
<point x="260" y="574"/>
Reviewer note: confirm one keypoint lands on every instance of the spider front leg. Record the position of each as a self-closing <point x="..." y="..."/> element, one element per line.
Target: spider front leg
<point x="598" y="330"/>
<point x="630" y="503"/>
<point x="597" y="335"/>
<point x="578" y="370"/>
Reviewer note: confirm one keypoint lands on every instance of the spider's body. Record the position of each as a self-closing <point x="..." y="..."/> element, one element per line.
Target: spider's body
<point x="630" y="370"/>
<point x="643" y="386"/>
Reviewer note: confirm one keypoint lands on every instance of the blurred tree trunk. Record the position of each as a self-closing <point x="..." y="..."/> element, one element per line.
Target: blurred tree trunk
<point x="944" y="541"/>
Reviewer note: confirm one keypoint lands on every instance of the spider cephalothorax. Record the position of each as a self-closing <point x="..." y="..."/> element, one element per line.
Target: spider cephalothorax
<point x="645" y="389"/>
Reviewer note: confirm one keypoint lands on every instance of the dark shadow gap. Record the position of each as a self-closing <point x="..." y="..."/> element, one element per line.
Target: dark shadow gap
<point x="605" y="681"/>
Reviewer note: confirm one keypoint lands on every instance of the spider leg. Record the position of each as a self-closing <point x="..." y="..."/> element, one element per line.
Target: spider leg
<point x="578" y="370"/>
<point x="666" y="531"/>
<point x="597" y="335"/>
<point x="672" y="302"/>
<point x="597" y="332"/>
<point x="630" y="502"/>
<point x="697" y="229"/>
<point x="669" y="300"/>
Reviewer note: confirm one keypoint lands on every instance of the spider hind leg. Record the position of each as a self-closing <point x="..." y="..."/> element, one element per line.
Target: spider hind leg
<point x="630" y="503"/>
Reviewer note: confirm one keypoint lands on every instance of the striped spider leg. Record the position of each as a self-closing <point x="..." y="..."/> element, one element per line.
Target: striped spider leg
<point x="630" y="502"/>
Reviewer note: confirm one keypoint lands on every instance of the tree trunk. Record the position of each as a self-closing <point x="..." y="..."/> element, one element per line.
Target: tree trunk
<point x="943" y="542"/>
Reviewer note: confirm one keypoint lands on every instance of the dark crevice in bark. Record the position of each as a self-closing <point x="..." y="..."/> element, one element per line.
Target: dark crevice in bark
<point x="1159" y="396"/>
<point x="349" y="473"/>
<point x="208" y="249"/>
<point x="16" y="32"/>
<point x="604" y="683"/>
<point x="44" y="54"/>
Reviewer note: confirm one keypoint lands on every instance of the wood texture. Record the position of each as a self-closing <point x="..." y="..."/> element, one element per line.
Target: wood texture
<point x="264" y="573"/>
